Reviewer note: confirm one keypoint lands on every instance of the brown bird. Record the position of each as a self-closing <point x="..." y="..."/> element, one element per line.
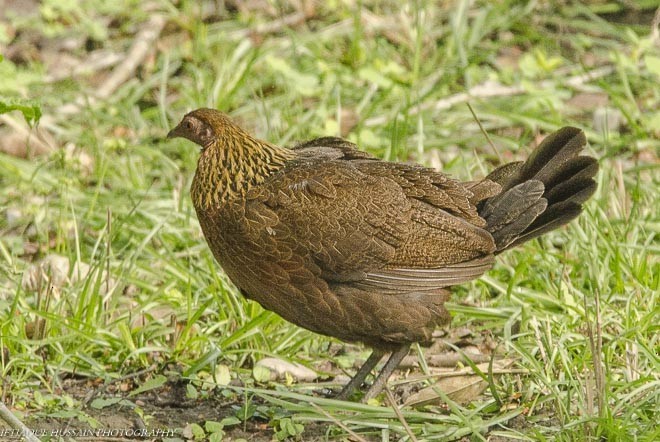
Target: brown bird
<point x="347" y="245"/>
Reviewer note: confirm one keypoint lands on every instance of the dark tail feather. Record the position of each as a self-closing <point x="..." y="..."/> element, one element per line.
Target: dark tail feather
<point x="542" y="193"/>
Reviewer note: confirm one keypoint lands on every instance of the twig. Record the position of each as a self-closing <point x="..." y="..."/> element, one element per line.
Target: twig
<point x="107" y="257"/>
<point x="97" y="61"/>
<point x="16" y="424"/>
<point x="490" y="89"/>
<point x="579" y="80"/>
<point x="655" y="28"/>
<point x="598" y="363"/>
<point x="390" y="399"/>
<point x="539" y="340"/>
<point x="483" y="131"/>
<point x="390" y="29"/>
<point x="623" y="197"/>
<point x="596" y="344"/>
<point x="287" y="21"/>
<point x="144" y="43"/>
<point x="40" y="139"/>
<point x="445" y="360"/>
<point x="338" y="422"/>
<point x="275" y="26"/>
<point x="453" y="374"/>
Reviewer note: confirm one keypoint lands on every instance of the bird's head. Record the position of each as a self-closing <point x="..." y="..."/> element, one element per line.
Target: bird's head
<point x="232" y="160"/>
<point x="205" y="126"/>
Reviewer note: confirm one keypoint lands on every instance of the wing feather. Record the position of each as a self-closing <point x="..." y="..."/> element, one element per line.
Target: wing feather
<point x="412" y="279"/>
<point x="358" y="224"/>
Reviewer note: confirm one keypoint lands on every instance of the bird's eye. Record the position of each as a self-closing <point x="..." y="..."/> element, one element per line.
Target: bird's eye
<point x="189" y="125"/>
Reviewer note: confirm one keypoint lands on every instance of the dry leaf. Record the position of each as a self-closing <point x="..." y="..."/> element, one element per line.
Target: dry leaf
<point x="54" y="271"/>
<point x="278" y="369"/>
<point x="461" y="386"/>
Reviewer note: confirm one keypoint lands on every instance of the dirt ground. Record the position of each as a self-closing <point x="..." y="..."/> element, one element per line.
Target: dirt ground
<point x="165" y="417"/>
<point x="115" y="411"/>
<point x="162" y="415"/>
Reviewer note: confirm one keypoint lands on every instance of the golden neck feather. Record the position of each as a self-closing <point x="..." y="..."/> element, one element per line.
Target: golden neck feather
<point x="231" y="164"/>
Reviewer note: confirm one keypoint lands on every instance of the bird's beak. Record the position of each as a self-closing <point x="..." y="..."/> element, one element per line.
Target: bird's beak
<point x="174" y="133"/>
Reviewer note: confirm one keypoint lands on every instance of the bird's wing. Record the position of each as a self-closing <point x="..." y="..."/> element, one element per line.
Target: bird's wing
<point x="434" y="188"/>
<point x="333" y="147"/>
<point x="364" y="229"/>
<point x="417" y="182"/>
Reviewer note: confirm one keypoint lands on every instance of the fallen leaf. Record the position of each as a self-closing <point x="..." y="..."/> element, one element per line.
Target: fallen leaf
<point x="607" y="120"/>
<point x="279" y="368"/>
<point x="461" y="386"/>
<point x="222" y="375"/>
<point x="55" y="270"/>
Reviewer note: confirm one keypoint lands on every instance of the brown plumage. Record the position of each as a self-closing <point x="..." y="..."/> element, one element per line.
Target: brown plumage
<point x="346" y="245"/>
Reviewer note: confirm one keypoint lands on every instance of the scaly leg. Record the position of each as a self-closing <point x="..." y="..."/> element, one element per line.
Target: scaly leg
<point x="391" y="364"/>
<point x="360" y="376"/>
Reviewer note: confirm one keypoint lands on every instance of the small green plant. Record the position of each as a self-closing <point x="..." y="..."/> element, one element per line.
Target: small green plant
<point x="212" y="431"/>
<point x="30" y="109"/>
<point x="287" y="428"/>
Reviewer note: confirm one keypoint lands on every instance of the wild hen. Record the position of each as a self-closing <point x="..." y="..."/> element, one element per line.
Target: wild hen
<point x="347" y="245"/>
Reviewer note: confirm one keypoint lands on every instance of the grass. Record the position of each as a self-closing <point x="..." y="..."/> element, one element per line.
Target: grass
<point x="578" y="309"/>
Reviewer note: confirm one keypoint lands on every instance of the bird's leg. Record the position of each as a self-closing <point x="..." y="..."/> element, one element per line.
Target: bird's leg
<point x="363" y="372"/>
<point x="391" y="364"/>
